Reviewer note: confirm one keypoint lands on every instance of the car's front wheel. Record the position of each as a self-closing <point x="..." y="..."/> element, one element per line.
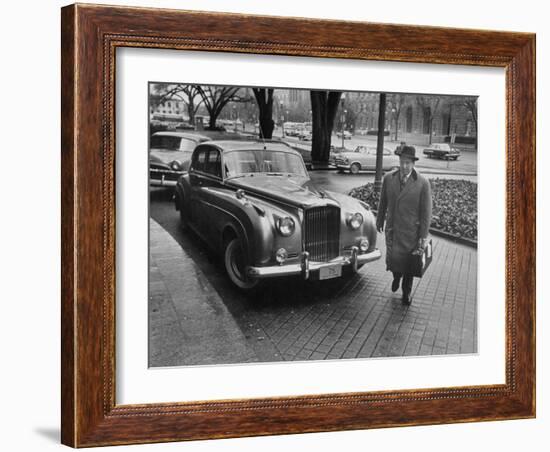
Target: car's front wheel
<point x="355" y="168"/>
<point x="234" y="260"/>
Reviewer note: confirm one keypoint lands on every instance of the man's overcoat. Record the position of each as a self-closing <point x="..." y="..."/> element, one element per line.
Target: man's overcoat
<point x="407" y="213"/>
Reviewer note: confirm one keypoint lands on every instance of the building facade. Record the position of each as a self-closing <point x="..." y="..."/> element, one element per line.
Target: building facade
<point x="411" y="114"/>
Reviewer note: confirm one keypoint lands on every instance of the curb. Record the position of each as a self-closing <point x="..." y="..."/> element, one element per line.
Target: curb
<point x="455" y="238"/>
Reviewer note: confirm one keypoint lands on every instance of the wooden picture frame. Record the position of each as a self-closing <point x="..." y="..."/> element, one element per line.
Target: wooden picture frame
<point x="90" y="36"/>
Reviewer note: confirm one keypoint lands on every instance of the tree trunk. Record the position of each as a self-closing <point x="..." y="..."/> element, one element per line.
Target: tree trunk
<point x="191" y="111"/>
<point x="396" y="125"/>
<point x="324" y="105"/>
<point x="380" y="142"/>
<point x="212" y="121"/>
<point x="475" y="123"/>
<point x="264" y="98"/>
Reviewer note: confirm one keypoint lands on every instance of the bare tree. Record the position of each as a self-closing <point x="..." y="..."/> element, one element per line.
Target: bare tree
<point x="215" y="98"/>
<point x="430" y="104"/>
<point x="397" y="101"/>
<point x="471" y="105"/>
<point x="324" y="105"/>
<point x="188" y="94"/>
<point x="264" y="98"/>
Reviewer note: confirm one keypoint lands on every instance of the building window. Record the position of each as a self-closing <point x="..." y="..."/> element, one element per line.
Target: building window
<point x="468" y="127"/>
<point x="426" y="120"/>
<point x="409" y="119"/>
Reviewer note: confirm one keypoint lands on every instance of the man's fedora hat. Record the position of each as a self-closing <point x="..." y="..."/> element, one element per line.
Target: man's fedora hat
<point x="408" y="152"/>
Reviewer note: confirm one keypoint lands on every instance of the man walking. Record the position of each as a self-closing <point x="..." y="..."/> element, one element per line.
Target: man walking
<point x="406" y="208"/>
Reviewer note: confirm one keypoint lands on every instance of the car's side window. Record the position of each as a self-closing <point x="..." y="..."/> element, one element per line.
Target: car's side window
<point x="199" y="161"/>
<point x="213" y="165"/>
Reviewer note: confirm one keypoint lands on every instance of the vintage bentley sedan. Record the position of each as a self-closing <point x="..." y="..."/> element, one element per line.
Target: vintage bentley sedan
<point x="254" y="203"/>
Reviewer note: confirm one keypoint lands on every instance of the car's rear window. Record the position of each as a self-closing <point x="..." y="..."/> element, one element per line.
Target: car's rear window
<point x="172" y="143"/>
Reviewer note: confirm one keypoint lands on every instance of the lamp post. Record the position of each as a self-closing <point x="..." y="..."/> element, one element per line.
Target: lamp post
<point x="343" y="118"/>
<point x="380" y="142"/>
<point x="393" y="112"/>
<point x="282" y="119"/>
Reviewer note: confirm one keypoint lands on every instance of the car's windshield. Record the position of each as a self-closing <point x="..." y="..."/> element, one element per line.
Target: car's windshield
<point x="238" y="163"/>
<point x="172" y="143"/>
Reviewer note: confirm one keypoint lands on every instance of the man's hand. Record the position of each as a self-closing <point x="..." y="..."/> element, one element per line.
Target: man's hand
<point x="422" y="243"/>
<point x="379" y="227"/>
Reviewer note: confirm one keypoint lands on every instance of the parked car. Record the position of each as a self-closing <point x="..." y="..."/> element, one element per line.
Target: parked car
<point x="169" y="155"/>
<point x="304" y="152"/>
<point x="254" y="203"/>
<point x="305" y="135"/>
<point x="363" y="158"/>
<point x="184" y="126"/>
<point x="347" y="135"/>
<point x="442" y="151"/>
<point x="335" y="151"/>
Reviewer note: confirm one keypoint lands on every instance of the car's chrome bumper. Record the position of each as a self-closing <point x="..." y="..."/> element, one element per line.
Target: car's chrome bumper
<point x="306" y="266"/>
<point x="163" y="177"/>
<point x="162" y="182"/>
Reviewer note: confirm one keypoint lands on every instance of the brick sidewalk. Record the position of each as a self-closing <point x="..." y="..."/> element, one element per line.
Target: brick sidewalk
<point x="365" y="319"/>
<point x="197" y="317"/>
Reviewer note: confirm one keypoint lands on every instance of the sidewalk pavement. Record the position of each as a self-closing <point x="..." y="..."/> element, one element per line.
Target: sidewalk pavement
<point x="362" y="318"/>
<point x="188" y="322"/>
<point x="358" y="317"/>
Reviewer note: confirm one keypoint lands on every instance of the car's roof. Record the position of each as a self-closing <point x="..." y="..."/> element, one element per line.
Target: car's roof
<point x="251" y="145"/>
<point x="189" y="136"/>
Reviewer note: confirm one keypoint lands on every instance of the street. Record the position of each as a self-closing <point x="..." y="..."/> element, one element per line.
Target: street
<point x="465" y="165"/>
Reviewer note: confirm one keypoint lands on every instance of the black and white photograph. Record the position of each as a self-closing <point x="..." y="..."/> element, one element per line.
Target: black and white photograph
<point x="294" y="224"/>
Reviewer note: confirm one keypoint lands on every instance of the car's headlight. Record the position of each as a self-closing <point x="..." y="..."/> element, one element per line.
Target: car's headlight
<point x="355" y="220"/>
<point x="346" y="160"/>
<point x="285" y="226"/>
<point x="176" y="165"/>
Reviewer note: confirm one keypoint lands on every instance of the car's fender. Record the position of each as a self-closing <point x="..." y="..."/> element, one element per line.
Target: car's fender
<point x="253" y="220"/>
<point x="350" y="205"/>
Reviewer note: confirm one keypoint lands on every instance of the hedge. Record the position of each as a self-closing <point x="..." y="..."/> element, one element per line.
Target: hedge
<point x="454" y="205"/>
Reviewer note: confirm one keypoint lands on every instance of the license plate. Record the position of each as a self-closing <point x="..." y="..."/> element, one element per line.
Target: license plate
<point x="334" y="271"/>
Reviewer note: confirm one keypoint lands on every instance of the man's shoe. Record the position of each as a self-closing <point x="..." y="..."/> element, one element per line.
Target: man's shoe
<point x="395" y="284"/>
<point x="406" y="299"/>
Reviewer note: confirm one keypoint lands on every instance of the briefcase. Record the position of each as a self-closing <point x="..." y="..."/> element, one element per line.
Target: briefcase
<point x="420" y="260"/>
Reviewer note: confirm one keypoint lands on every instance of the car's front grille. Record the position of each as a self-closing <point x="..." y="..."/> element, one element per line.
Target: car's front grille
<point x="163" y="173"/>
<point x="322" y="232"/>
